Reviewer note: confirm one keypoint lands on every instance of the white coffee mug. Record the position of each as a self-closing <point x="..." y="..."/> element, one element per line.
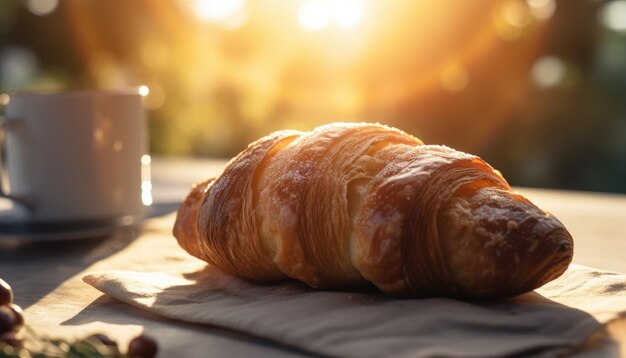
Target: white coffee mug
<point x="76" y="157"/>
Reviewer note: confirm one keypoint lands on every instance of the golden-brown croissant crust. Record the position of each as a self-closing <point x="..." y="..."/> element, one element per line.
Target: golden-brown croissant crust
<point x="348" y="204"/>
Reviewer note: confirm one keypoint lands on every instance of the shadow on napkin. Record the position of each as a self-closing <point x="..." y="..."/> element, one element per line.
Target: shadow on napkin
<point x="555" y="319"/>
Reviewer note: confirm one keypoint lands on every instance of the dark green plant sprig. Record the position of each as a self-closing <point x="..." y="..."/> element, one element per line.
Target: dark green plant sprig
<point x="94" y="346"/>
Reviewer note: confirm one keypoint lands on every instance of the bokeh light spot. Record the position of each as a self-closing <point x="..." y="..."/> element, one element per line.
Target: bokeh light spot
<point x="42" y="7"/>
<point x="230" y="14"/>
<point x="516" y="13"/>
<point x="315" y="15"/>
<point x="511" y="18"/>
<point x="216" y="10"/>
<point x="542" y="9"/>
<point x="4" y="99"/>
<point x="146" y="159"/>
<point x="144" y="90"/>
<point x="118" y="146"/>
<point x="146" y="197"/>
<point x="155" y="96"/>
<point x="98" y="135"/>
<point x="348" y="13"/>
<point x="146" y="182"/>
<point x="454" y="78"/>
<point x="17" y="67"/>
<point x="613" y="15"/>
<point x="548" y="71"/>
<point x="146" y="185"/>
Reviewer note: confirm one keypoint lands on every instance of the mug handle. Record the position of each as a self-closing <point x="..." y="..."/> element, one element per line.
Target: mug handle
<point x="7" y="124"/>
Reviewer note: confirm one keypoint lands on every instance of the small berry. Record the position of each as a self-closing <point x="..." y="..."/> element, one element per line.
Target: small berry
<point x="6" y="294"/>
<point x="18" y="316"/>
<point x="7" y="319"/>
<point x="142" y="346"/>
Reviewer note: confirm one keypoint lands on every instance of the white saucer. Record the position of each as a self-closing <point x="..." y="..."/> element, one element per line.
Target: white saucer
<point x="15" y="227"/>
<point x="22" y="232"/>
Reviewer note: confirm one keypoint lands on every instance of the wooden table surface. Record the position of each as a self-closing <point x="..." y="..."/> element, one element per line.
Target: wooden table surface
<point x="47" y="277"/>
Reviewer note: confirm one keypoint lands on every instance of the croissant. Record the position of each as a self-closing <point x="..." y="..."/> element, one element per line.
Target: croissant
<point x="349" y="205"/>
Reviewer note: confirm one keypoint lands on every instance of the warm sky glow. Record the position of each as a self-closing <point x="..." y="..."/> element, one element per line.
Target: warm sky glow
<point x="297" y="63"/>
<point x="226" y="13"/>
<point x="314" y="15"/>
<point x="216" y="10"/>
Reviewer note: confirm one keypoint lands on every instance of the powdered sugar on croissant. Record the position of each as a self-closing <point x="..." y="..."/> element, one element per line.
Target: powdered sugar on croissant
<point x="347" y="204"/>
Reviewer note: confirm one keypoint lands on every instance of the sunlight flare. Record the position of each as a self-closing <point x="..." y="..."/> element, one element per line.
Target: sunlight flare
<point x="315" y="15"/>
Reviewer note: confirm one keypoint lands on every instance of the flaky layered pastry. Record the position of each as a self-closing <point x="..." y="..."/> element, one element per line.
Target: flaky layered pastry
<point x="348" y="204"/>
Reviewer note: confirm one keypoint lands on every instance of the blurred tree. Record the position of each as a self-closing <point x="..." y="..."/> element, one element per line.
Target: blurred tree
<point x="536" y="87"/>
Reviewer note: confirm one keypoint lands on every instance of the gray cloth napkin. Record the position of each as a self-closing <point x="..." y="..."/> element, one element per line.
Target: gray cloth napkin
<point x="552" y="320"/>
